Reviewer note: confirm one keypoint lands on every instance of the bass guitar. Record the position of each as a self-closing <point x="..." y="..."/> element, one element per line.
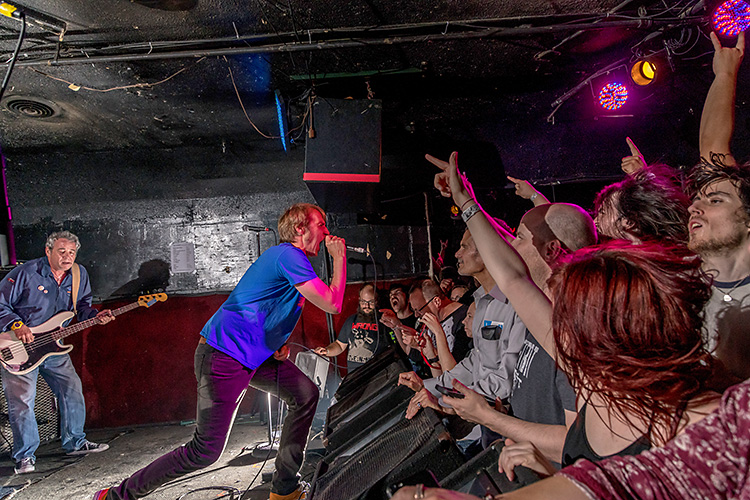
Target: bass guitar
<point x="19" y="358"/>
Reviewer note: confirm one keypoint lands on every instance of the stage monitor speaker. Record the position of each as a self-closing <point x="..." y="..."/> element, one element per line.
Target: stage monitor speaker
<point x="359" y="388"/>
<point x="46" y="412"/>
<point x="367" y="420"/>
<point x="346" y="145"/>
<point x="480" y="477"/>
<point x="392" y="358"/>
<point x="401" y="453"/>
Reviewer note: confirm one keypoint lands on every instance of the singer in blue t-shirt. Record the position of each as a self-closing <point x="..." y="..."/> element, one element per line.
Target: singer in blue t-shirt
<point x="244" y="344"/>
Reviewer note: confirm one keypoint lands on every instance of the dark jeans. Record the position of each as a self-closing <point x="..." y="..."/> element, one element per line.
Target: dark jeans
<point x="222" y="383"/>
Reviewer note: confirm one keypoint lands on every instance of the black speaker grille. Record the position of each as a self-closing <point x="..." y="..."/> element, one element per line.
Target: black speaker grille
<point x="376" y="460"/>
<point x="45" y="409"/>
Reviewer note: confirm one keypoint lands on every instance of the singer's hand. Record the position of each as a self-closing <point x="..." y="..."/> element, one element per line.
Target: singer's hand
<point x="336" y="247"/>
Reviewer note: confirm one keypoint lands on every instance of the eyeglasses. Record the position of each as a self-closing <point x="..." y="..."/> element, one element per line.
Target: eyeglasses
<point x="367" y="302"/>
<point x="426" y="304"/>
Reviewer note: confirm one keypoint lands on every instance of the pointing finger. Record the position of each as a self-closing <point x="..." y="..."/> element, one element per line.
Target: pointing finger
<point x="442" y="165"/>
<point x="633" y="149"/>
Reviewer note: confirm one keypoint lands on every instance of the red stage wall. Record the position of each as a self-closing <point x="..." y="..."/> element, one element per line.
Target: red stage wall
<point x="138" y="369"/>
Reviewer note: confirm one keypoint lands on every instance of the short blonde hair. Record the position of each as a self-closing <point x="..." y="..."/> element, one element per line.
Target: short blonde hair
<point x="298" y="215"/>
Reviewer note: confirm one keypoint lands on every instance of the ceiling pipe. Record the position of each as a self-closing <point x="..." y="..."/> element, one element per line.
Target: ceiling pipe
<point x="496" y="33"/>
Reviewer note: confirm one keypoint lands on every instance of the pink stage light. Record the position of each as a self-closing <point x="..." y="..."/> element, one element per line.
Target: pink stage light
<point x="613" y="96"/>
<point x="731" y="17"/>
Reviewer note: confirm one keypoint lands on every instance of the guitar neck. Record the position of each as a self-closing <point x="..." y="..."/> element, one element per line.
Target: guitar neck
<point x="70" y="330"/>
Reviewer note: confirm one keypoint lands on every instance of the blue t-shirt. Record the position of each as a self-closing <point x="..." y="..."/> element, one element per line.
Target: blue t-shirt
<point x="264" y="307"/>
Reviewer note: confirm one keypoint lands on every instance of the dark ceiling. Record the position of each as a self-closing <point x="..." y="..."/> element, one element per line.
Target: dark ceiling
<point x="486" y="76"/>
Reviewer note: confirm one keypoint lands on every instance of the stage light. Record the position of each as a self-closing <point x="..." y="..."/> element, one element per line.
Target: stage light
<point x="613" y="96"/>
<point x="731" y="17"/>
<point x="643" y="73"/>
<point x="280" y="115"/>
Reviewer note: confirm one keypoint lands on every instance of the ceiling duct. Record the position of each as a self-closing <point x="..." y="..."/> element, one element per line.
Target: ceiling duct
<point x="31" y="107"/>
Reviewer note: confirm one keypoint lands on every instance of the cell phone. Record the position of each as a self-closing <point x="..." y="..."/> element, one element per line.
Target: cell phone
<point x="449" y="392"/>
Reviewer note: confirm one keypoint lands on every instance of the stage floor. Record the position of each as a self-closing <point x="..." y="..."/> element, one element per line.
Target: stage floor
<point x="58" y="476"/>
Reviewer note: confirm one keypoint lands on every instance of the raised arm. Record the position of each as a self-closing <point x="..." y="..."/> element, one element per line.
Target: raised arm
<point x="717" y="120"/>
<point x="635" y="162"/>
<point x="526" y="190"/>
<point x="500" y="258"/>
<point x="329" y="298"/>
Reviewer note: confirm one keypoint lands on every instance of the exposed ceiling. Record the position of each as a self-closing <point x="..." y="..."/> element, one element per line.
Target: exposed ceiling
<point x="154" y="74"/>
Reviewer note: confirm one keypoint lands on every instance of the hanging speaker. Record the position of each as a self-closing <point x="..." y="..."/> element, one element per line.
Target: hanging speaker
<point x="344" y="141"/>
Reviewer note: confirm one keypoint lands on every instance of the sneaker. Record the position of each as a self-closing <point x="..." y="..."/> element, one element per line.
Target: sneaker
<point x="89" y="447"/>
<point x="101" y="494"/>
<point x="25" y="466"/>
<point x="297" y="494"/>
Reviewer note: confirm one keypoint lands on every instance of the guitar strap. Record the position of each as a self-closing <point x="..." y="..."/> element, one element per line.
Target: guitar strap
<point x="76" y="271"/>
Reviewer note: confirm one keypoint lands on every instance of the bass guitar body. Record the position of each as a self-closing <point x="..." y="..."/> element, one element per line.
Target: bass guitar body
<point x="19" y="358"/>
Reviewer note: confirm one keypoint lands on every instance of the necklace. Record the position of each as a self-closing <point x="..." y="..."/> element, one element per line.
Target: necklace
<point x="727" y="297"/>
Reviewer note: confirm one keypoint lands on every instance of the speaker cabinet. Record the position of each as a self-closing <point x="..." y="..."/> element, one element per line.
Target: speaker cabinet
<point x="359" y="389"/>
<point x="403" y="451"/>
<point x="480" y="477"/>
<point x="346" y="145"/>
<point x="46" y="411"/>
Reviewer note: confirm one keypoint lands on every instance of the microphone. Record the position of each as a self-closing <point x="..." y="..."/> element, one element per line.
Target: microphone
<point x="361" y="250"/>
<point x="247" y="227"/>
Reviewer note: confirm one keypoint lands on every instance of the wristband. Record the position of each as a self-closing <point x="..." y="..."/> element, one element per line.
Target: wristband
<point x="469" y="212"/>
<point x="533" y="196"/>
<point x="464" y="203"/>
<point x="17" y="325"/>
<point x="433" y="360"/>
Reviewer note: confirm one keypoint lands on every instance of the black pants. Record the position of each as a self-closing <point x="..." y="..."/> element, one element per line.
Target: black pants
<point x="222" y="383"/>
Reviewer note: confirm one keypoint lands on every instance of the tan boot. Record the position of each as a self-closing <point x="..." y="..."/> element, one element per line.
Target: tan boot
<point x="295" y="495"/>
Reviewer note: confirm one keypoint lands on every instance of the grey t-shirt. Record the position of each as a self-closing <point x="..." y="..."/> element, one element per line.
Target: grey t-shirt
<point x="726" y="329"/>
<point x="541" y="392"/>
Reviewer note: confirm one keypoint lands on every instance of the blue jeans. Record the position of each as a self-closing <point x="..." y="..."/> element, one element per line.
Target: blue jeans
<point x="222" y="383"/>
<point x="20" y="392"/>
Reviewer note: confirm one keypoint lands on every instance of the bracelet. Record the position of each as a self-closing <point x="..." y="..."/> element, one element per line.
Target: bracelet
<point x="433" y="360"/>
<point x="17" y="325"/>
<point x="470" y="212"/>
<point x="533" y="196"/>
<point x="464" y="203"/>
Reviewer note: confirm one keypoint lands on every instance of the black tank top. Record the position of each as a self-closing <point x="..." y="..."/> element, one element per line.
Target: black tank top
<point x="577" y="444"/>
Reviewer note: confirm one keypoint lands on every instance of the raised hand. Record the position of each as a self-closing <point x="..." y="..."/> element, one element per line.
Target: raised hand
<point x="635" y="162"/>
<point x="336" y="247"/>
<point x="727" y="60"/>
<point x="450" y="182"/>
<point x="524" y="189"/>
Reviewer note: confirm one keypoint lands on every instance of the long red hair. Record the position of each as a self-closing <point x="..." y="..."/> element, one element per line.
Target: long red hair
<point x="627" y="324"/>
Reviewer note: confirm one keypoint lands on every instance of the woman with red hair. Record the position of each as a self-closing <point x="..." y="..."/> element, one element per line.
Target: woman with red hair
<point x="623" y="322"/>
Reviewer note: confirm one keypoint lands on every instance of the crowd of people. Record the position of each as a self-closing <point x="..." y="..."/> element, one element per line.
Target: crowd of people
<point x="634" y="346"/>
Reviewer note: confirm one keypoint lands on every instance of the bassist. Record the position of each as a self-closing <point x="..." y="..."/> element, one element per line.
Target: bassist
<point x="29" y="295"/>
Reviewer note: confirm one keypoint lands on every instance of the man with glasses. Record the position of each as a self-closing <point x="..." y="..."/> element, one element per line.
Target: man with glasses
<point x="361" y="335"/>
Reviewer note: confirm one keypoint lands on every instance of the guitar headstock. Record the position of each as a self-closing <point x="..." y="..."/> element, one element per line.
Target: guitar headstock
<point x="149" y="300"/>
